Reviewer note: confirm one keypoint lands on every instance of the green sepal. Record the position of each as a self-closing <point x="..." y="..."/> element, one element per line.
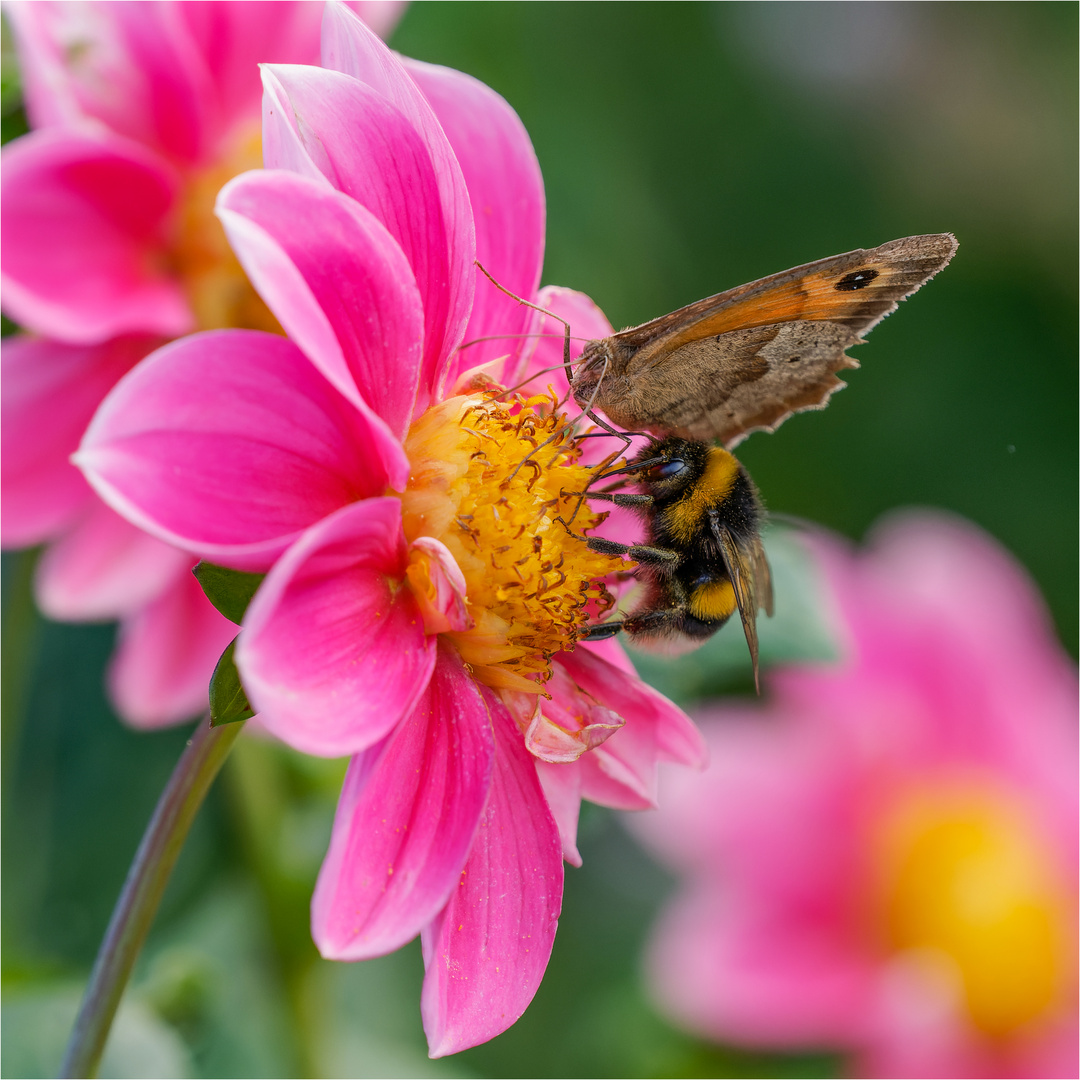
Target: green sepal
<point x="228" y="702"/>
<point x="230" y="591"/>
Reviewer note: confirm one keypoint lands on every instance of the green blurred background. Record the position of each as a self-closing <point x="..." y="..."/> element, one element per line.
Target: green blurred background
<point x="686" y="148"/>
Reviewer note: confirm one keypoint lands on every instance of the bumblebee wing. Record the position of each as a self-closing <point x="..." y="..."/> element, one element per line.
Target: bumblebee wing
<point x="762" y="576"/>
<point x="750" y="578"/>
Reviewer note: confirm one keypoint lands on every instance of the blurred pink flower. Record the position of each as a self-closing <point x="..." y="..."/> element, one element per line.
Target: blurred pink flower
<point x="883" y="860"/>
<point x="421" y="603"/>
<point x="142" y="111"/>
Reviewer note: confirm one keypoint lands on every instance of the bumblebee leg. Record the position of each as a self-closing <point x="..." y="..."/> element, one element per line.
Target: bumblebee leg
<point x="620" y="499"/>
<point x="656" y="621"/>
<point x="601" y="631"/>
<point x="659" y="620"/>
<point x="641" y="553"/>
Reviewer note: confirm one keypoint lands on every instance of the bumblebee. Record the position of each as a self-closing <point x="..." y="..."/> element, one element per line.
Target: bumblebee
<point x="704" y="558"/>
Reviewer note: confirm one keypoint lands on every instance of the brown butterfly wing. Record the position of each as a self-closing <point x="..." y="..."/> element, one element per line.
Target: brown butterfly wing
<point x="741" y="381"/>
<point x="748" y="358"/>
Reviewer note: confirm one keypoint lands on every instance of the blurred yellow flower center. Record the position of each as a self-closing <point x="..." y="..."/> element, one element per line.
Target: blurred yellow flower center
<point x="965" y="875"/>
<point x="215" y="284"/>
<point x="530" y="585"/>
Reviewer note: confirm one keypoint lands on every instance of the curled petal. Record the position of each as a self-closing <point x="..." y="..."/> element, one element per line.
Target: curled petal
<point x="84" y="226"/>
<point x="50" y="393"/>
<point x="165" y="655"/>
<point x="677" y="736"/>
<point x="507" y="195"/>
<point x="333" y="652"/>
<point x="488" y="949"/>
<point x="406" y="820"/>
<point x="104" y="568"/>
<point x="564" y="727"/>
<point x="338" y="283"/>
<point x="622" y="772"/>
<point x="229" y="444"/>
<point x="439" y="586"/>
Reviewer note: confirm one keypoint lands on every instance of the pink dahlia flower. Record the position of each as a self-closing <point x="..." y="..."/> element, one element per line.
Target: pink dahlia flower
<point x="421" y="603"/>
<point x="883" y="859"/>
<point x="142" y="111"/>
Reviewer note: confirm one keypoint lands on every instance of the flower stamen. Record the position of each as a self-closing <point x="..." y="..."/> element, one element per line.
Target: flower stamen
<point x="531" y="586"/>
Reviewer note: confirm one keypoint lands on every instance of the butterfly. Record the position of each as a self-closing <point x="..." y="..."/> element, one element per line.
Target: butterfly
<point x="746" y="359"/>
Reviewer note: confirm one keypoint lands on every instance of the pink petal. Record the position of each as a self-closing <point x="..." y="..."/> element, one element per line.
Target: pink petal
<point x="338" y="283"/>
<point x="333" y="653"/>
<point x="84" y="220"/>
<point x="738" y="975"/>
<point x="408" y="814"/>
<point x="368" y="149"/>
<point x="916" y="1025"/>
<point x="132" y="66"/>
<point x="381" y="15"/>
<point x="283" y="143"/>
<point x="350" y="47"/>
<point x="50" y="393"/>
<point x="507" y="195"/>
<point x="488" y="949"/>
<point x="232" y="40"/>
<point x="980" y="596"/>
<point x="104" y="568"/>
<point x="165" y="655"/>
<point x="562" y="789"/>
<point x="229" y="444"/>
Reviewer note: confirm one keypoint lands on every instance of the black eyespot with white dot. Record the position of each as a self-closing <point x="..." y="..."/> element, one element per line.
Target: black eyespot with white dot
<point x="857" y="279"/>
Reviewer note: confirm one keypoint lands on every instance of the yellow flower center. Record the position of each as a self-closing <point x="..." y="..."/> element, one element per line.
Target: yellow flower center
<point x="479" y="485"/>
<point x="966" y="878"/>
<point x="215" y="284"/>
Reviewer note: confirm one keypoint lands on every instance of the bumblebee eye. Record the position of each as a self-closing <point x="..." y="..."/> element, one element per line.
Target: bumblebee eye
<point x="667" y="470"/>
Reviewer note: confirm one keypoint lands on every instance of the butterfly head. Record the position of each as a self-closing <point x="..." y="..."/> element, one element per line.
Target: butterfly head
<point x="591" y="368"/>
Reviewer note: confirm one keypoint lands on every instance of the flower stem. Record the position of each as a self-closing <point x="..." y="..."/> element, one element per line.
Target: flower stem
<point x="146" y="880"/>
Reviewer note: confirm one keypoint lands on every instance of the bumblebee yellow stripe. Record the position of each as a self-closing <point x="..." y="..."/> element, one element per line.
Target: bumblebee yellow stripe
<point x="713" y="601"/>
<point x="714" y="486"/>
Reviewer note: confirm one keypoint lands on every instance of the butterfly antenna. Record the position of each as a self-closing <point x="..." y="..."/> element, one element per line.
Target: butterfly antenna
<point x="535" y="375"/>
<point x="543" y="311"/>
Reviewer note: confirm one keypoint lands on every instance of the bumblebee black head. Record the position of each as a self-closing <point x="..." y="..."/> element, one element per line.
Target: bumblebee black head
<point x="667" y="467"/>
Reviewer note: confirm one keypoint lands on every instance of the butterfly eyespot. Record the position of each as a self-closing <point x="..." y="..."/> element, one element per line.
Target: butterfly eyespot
<point x="666" y="471"/>
<point x="857" y="279"/>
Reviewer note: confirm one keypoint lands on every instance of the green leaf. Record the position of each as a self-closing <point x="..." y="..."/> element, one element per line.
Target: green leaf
<point x="230" y="591"/>
<point x="228" y="702"/>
